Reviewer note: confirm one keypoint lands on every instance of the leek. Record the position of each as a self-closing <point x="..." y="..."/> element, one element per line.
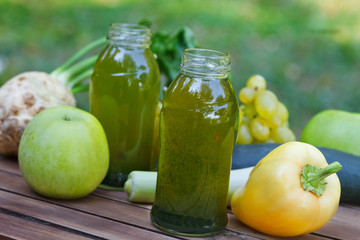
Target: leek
<point x="141" y="185"/>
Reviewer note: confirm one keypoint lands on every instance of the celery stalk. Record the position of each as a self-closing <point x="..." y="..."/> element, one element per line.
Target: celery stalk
<point x="141" y="185"/>
<point x="77" y="69"/>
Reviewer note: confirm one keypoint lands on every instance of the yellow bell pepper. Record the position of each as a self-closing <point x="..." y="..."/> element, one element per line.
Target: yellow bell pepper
<point x="291" y="191"/>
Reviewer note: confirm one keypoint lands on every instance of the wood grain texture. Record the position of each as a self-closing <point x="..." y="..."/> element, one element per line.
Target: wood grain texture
<point x="17" y="227"/>
<point x="107" y="214"/>
<point x="9" y="165"/>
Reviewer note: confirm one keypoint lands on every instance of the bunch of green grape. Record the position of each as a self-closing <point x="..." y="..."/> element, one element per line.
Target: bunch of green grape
<point x="263" y="117"/>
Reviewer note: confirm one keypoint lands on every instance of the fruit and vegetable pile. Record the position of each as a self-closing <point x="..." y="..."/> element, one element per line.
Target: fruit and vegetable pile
<point x="278" y="185"/>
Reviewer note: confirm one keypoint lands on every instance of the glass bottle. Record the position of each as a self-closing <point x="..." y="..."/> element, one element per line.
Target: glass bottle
<point x="124" y="93"/>
<point x="198" y="127"/>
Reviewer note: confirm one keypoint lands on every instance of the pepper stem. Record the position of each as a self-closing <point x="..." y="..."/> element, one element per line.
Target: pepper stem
<point x="313" y="178"/>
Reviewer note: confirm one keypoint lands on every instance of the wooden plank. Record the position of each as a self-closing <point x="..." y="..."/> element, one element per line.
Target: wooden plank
<point x="123" y="211"/>
<point x="348" y="214"/>
<point x="119" y="196"/>
<point x="122" y="197"/>
<point x="114" y="210"/>
<point x="9" y="165"/>
<point x="344" y="225"/>
<point x="234" y="225"/>
<point x="13" y="227"/>
<point x="73" y="220"/>
<point x="40" y="210"/>
<point x="120" y="210"/>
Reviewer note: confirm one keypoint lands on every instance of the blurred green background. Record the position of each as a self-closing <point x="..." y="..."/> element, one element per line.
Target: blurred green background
<point x="307" y="50"/>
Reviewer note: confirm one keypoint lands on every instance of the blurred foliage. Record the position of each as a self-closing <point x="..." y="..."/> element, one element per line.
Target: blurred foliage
<point x="307" y="50"/>
<point x="169" y="48"/>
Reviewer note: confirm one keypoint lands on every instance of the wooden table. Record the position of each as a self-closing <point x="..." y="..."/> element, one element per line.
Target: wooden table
<point x="108" y="215"/>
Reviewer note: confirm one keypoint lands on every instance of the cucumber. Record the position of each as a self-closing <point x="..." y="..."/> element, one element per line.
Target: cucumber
<point x="247" y="155"/>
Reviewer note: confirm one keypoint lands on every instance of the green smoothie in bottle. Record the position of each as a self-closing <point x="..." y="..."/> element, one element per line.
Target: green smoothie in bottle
<point x="124" y="93"/>
<point x="199" y="121"/>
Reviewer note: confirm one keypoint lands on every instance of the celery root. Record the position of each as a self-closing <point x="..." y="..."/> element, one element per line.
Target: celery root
<point x="22" y="98"/>
<point x="141" y="185"/>
<point x="28" y="93"/>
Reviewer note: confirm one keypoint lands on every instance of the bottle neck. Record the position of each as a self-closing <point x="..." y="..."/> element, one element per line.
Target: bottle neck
<point x="129" y="35"/>
<point x="205" y="63"/>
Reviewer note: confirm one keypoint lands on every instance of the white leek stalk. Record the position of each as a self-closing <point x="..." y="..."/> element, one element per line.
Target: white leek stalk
<point x="141" y="185"/>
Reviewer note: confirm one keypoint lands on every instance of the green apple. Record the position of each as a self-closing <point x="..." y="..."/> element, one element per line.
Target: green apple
<point x="63" y="153"/>
<point x="334" y="129"/>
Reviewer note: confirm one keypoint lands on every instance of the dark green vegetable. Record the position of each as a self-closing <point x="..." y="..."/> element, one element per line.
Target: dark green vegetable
<point x="248" y="155"/>
<point x="168" y="49"/>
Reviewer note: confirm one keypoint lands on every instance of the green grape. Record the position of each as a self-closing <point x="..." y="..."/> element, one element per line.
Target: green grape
<point x="257" y="141"/>
<point x="281" y="116"/>
<point x="241" y="107"/>
<point x="282" y="112"/>
<point x="241" y="114"/>
<point x="247" y="95"/>
<point x="246" y="120"/>
<point x="270" y="140"/>
<point x="264" y="117"/>
<point x="259" y="129"/>
<point x="257" y="82"/>
<point x="274" y="121"/>
<point x="285" y="124"/>
<point x="250" y="111"/>
<point x="266" y="103"/>
<point x="244" y="136"/>
<point x="282" y="134"/>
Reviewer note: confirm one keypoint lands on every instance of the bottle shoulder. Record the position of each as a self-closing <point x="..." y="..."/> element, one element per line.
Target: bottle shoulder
<point x="194" y="91"/>
<point x="122" y="59"/>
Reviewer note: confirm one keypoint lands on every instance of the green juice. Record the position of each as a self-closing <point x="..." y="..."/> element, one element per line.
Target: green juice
<point x="124" y="93"/>
<point x="199" y="122"/>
